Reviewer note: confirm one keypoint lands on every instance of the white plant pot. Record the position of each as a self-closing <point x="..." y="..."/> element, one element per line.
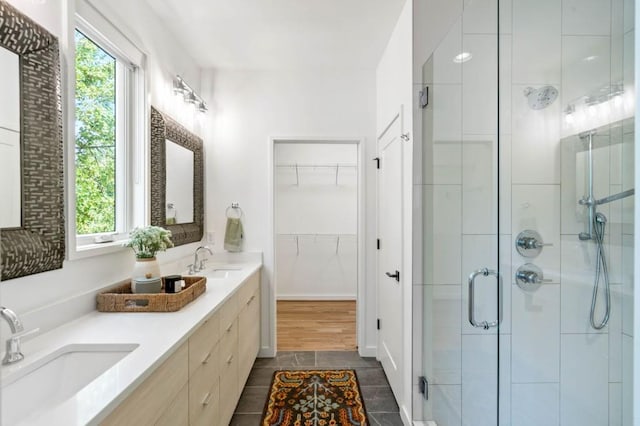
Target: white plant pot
<point x="143" y="268"/>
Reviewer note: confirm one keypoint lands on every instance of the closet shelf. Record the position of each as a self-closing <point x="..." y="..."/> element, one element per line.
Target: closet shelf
<point x="296" y="238"/>
<point x="298" y="166"/>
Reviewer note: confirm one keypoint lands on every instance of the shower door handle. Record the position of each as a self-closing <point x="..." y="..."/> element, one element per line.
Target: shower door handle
<point x="472" y="281"/>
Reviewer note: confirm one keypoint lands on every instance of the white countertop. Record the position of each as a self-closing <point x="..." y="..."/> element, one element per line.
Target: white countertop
<point x="157" y="334"/>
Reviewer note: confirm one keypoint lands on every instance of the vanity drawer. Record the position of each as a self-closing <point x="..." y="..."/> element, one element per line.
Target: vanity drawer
<point x="209" y="414"/>
<point x="228" y="313"/>
<point x="146" y="404"/>
<point x="229" y="389"/>
<point x="204" y="392"/>
<point x="248" y="290"/>
<point x="228" y="346"/>
<point x="177" y="413"/>
<point x="248" y="336"/>
<point x="202" y="342"/>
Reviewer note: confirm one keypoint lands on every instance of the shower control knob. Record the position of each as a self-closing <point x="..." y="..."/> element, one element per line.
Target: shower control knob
<point x="529" y="243"/>
<point x="529" y="277"/>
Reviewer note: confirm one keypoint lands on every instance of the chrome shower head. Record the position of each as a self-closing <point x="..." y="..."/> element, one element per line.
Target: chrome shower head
<point x="542" y="97"/>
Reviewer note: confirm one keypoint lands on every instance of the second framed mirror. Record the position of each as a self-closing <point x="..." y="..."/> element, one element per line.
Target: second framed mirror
<point x="176" y="179"/>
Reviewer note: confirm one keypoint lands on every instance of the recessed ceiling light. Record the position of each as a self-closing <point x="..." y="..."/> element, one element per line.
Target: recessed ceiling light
<point x="463" y="57"/>
<point x="590" y="58"/>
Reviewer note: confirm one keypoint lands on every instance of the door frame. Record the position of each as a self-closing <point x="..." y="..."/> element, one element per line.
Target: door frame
<point x="271" y="348"/>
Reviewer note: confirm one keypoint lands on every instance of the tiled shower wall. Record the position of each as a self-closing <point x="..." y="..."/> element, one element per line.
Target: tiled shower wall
<point x="554" y="369"/>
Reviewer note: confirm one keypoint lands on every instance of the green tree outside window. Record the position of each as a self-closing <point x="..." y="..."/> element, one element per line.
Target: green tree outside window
<point x="95" y="131"/>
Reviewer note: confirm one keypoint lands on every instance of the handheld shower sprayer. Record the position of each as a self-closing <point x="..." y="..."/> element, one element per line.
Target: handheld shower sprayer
<point x="597" y="223"/>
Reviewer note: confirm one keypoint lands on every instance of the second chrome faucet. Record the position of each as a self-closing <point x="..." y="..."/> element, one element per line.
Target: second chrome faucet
<point x="198" y="263"/>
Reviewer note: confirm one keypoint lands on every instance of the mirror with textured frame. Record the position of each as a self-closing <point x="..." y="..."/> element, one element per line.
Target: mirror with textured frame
<point x="177" y="198"/>
<point x="10" y="191"/>
<point x="33" y="241"/>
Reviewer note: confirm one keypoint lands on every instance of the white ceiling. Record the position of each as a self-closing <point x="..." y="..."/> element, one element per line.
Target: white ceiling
<point x="281" y="34"/>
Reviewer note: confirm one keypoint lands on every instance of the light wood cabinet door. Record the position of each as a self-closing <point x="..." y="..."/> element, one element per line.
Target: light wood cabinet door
<point x="228" y="313"/>
<point x="208" y="412"/>
<point x="248" y="335"/>
<point x="203" y="342"/>
<point x="147" y="403"/>
<point x="229" y="387"/>
<point x="248" y="289"/>
<point x="177" y="413"/>
<point x="204" y="391"/>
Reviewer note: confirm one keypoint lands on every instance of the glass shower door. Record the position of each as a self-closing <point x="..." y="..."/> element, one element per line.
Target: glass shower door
<point x="463" y="286"/>
<point x="528" y="142"/>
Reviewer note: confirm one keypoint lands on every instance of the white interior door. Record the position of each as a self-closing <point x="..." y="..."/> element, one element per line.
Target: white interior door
<point x="390" y="276"/>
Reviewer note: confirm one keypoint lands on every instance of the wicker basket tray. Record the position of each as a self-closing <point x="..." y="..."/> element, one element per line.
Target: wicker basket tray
<point x="120" y="298"/>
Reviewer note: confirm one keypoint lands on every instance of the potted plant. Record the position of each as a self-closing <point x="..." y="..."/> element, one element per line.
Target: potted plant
<point x="146" y="242"/>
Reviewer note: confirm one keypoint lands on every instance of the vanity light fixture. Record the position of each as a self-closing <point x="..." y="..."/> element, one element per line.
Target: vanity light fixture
<point x="604" y="105"/>
<point x="190" y="98"/>
<point x="569" y="112"/>
<point x="180" y="87"/>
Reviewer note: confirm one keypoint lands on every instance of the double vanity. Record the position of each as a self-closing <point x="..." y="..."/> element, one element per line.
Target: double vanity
<point x="181" y="368"/>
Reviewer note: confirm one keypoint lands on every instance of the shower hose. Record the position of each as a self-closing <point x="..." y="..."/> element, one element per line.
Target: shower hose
<point x="599" y="225"/>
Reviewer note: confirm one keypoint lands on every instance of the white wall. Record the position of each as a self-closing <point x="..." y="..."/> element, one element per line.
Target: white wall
<point x="252" y="106"/>
<point x="394" y="92"/>
<point x="316" y="215"/>
<point x="78" y="281"/>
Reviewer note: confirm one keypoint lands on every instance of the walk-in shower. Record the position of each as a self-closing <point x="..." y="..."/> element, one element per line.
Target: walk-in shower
<point x="596" y="229"/>
<point x="527" y="169"/>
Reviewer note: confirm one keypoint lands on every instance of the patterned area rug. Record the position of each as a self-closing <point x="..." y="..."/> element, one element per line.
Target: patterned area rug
<point x="314" y="398"/>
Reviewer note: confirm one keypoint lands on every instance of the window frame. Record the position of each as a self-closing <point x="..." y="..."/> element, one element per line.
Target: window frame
<point x="131" y="124"/>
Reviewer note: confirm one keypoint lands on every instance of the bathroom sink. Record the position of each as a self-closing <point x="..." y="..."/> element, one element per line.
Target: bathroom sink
<point x="221" y="272"/>
<point x="56" y="377"/>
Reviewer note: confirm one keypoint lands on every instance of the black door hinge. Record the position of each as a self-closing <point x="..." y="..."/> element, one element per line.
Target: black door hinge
<point x="378" y="244"/>
<point x="377" y="160"/>
<point x="423" y="385"/>
<point x="378" y="324"/>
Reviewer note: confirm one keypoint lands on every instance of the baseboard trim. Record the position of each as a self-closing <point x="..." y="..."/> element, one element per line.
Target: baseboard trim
<point x="266" y="352"/>
<point x="405" y="416"/>
<point x="316" y="297"/>
<point x="369" y="351"/>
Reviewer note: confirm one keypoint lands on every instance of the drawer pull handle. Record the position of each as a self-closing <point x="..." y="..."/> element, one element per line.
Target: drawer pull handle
<point x="251" y="300"/>
<point x="206" y="359"/>
<point x="229" y="327"/>
<point x="230" y="359"/>
<point x="207" y="399"/>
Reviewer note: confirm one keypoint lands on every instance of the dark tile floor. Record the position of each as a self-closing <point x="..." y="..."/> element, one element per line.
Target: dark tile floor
<point x="379" y="402"/>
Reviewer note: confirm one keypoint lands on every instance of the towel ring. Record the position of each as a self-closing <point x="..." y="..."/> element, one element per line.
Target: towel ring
<point x="234" y="207"/>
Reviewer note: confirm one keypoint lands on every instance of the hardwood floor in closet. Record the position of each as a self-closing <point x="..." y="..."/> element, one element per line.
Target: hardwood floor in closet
<point x="316" y="325"/>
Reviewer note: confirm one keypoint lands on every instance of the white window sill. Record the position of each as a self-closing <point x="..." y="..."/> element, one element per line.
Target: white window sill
<point x="91" y="250"/>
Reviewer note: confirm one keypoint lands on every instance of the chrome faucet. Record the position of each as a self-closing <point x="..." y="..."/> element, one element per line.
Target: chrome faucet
<point x="199" y="264"/>
<point x="14" y="322"/>
<point x="13" y="353"/>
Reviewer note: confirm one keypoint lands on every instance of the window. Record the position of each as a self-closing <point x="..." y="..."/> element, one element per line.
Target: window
<point x="109" y="128"/>
<point x="96" y="139"/>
